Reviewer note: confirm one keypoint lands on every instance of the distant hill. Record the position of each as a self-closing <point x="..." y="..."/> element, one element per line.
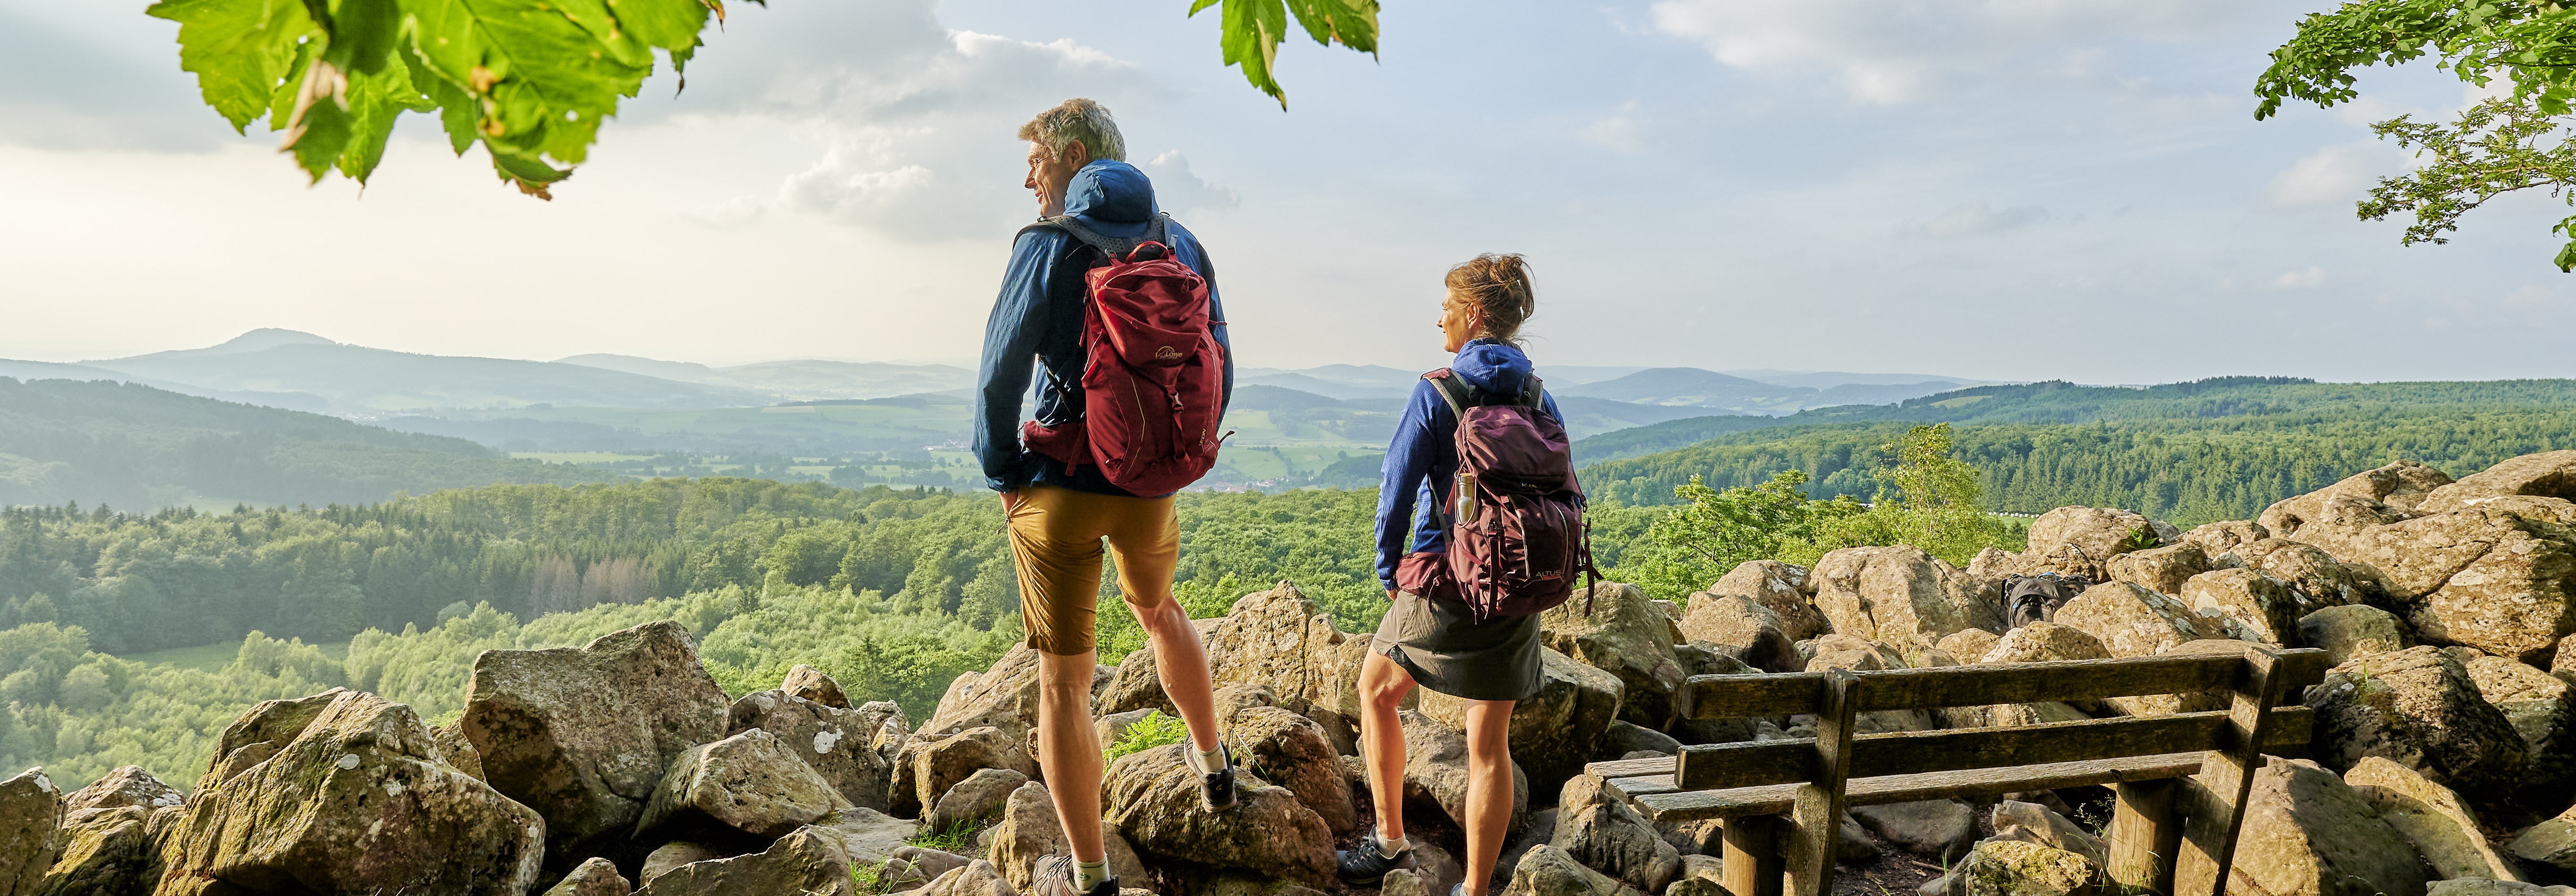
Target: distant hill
<point x="1693" y="387"/>
<point x="137" y="448"/>
<point x="803" y="379"/>
<point x="357" y="379"/>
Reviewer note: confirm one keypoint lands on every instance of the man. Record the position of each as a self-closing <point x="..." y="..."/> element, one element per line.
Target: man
<point x="1059" y="513"/>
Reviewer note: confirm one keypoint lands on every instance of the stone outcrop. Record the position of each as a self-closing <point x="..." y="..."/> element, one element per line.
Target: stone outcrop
<point x="1153" y="798"/>
<point x="1281" y="639"/>
<point x="1549" y="871"/>
<point x="2371" y="498"/>
<point x="933" y="765"/>
<point x="2267" y="605"/>
<point x="1614" y="628"/>
<point x="2418" y="708"/>
<point x="2163" y="569"/>
<point x="810" y="861"/>
<point x="808" y="683"/>
<point x="582" y="735"/>
<point x="2101" y="532"/>
<point x="126" y="785"/>
<point x="2320" y="579"/>
<point x="1291" y="751"/>
<point x="2307" y="834"/>
<point x="1940" y="828"/>
<point x="1029" y="829"/>
<point x="1435" y="771"/>
<point x="2351" y="632"/>
<point x="839" y="742"/>
<point x="105" y="851"/>
<point x="2217" y="539"/>
<point x="1604" y="834"/>
<point x="1004" y="697"/>
<point x="1782" y="588"/>
<point x="1742" y="628"/>
<point x="978" y="797"/>
<point x="2022" y="868"/>
<point x="1554" y="733"/>
<point x="749" y="782"/>
<point x="31" y="808"/>
<point x="593" y="877"/>
<point x="2551" y="843"/>
<point x="1900" y="595"/>
<point x="2442" y="827"/>
<point x="2549" y="474"/>
<point x="2133" y="621"/>
<point x="343" y="792"/>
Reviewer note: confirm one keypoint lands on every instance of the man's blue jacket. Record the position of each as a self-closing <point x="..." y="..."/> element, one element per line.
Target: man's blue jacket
<point x="1037" y="322"/>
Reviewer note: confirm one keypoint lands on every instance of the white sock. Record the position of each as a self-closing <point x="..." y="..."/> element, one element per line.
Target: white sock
<point x="1208" y="762"/>
<point x="1392" y="848"/>
<point x="1087" y="875"/>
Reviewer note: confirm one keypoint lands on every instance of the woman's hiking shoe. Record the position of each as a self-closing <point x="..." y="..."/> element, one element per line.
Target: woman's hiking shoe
<point x="1365" y="866"/>
<point x="1054" y="877"/>
<point x="1216" y="789"/>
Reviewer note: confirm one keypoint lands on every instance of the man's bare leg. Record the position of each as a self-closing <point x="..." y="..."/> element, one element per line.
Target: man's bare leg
<point x="1068" y="750"/>
<point x="1181" y="661"/>
<point x="1489" y="788"/>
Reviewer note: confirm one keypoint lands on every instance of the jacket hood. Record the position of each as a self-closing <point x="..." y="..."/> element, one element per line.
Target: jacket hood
<point x="1492" y="367"/>
<point x="1109" y="190"/>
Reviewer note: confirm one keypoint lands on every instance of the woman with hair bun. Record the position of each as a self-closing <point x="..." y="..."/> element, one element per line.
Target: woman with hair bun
<point x="1430" y="637"/>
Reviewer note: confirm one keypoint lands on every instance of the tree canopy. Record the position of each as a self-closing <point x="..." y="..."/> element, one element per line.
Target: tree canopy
<point x="530" y="80"/>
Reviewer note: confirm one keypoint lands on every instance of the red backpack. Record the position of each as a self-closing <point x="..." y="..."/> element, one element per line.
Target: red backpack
<point x="1516" y="530"/>
<point x="1154" y="384"/>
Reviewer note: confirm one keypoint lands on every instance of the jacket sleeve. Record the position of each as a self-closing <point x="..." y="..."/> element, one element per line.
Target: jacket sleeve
<point x="1010" y="357"/>
<point x="1407" y="467"/>
<point x="1216" y="317"/>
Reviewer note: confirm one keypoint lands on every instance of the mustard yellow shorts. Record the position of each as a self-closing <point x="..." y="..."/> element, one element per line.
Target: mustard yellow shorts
<point x="1055" y="543"/>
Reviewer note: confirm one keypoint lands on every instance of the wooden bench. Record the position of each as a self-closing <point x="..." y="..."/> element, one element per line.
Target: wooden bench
<point x="1783" y="800"/>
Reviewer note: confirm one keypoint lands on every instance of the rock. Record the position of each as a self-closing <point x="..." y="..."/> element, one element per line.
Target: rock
<point x="1402" y="882"/>
<point x="2372" y="498"/>
<point x="978" y="797"/>
<point x="2479" y="886"/>
<point x="1615" y="630"/>
<point x="1742" y="628"/>
<point x="456" y="749"/>
<point x="2043" y="642"/>
<point x="2429" y="815"/>
<point x="2006" y="715"/>
<point x="1699" y="867"/>
<point x="889" y="727"/>
<point x="838" y="742"/>
<point x="1554" y="733"/>
<point x="2162" y="570"/>
<point x="1697" y="886"/>
<point x="1281" y="639"/>
<point x="2514" y="600"/>
<point x="2419" y="708"/>
<point x="2020" y="868"/>
<point x="749" y="782"/>
<point x="2133" y="621"/>
<point x="1900" y="595"/>
<point x="2216" y="539"/>
<point x="673" y="855"/>
<point x="1233" y="884"/>
<point x="1549" y="871"/>
<point x="1004" y="696"/>
<point x="1605" y="835"/>
<point x="1970" y="645"/>
<point x="1435" y="771"/>
<point x="105" y="851"/>
<point x="582" y="735"/>
<point x="31" y="808"/>
<point x="1029" y="829"/>
<point x="2348" y="633"/>
<point x="1944" y="828"/>
<point x="977" y="878"/>
<point x="1435" y="869"/>
<point x="938" y="763"/>
<point x="1136" y="687"/>
<point x="348" y="796"/>
<point x="127" y="785"/>
<point x="2268" y="605"/>
<point x="1623" y="739"/>
<point x="872" y="836"/>
<point x="2536" y="704"/>
<point x="2064" y="560"/>
<point x="1782" y="588"/>
<point x="1290" y="750"/>
<point x="2100" y="532"/>
<point x="2549" y="474"/>
<point x="2035" y="823"/>
<point x="810" y="683"/>
<point x="930" y="864"/>
<point x="2320" y="579"/>
<point x="809" y="861"/>
<point x="2551" y="842"/>
<point x="593" y="877"/>
<point x="1153" y="798"/>
<point x="1840" y="651"/>
<point x="1854" y="847"/>
<point x="2307" y="834"/>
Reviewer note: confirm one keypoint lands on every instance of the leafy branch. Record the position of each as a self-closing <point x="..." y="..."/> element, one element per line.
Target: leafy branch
<point x="1253" y="30"/>
<point x="2498" y="146"/>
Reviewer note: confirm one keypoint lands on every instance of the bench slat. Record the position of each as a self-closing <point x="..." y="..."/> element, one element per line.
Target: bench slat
<point x="1775" y="799"/>
<point x="1741" y="696"/>
<point x="1759" y="763"/>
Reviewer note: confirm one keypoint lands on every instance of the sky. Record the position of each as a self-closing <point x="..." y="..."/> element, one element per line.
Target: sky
<point x="1996" y="189"/>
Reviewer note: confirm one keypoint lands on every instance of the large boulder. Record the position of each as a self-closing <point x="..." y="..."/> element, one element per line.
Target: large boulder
<point x="873" y="836"/>
<point x="2101" y="532"/>
<point x="1549" y="871"/>
<point x="1281" y="639"/>
<point x="1554" y="733"/>
<point x="2419" y="708"/>
<point x="2220" y="538"/>
<point x="457" y="749"/>
<point x="809" y="861"/>
<point x="2536" y="704"/>
<point x="1782" y="588"/>
<point x="2350" y="632"/>
<point x="1838" y="651"/>
<point x="810" y="683"/>
<point x="1940" y="828"/>
<point x="1742" y="628"/>
<point x="2371" y="498"/>
<point x="127" y="785"/>
<point x="1615" y="629"/>
<point x="2551" y="843"/>
<point x="749" y="782"/>
<point x="2479" y="886"/>
<point x="929" y="766"/>
<point x="2017" y="820"/>
<point x="1004" y="696"/>
<point x="2162" y="569"/>
<point x="2021" y="868"/>
<point x="2320" y="579"/>
<point x="1153" y="798"/>
<point x="1136" y="686"/>
<point x="837" y="741"/>
<point x="344" y="793"/>
<point x="1029" y="829"/>
<point x="1900" y="595"/>
<point x="978" y="797"/>
<point x="1435" y="771"/>
<point x="104" y="851"/>
<point x="2044" y="642"/>
<point x="1291" y="751"/>
<point x="2269" y="606"/>
<point x="977" y="878"/>
<point x="1996" y="565"/>
<point x="2308" y="834"/>
<point x="1602" y="832"/>
<point x="2518" y="598"/>
<point x="2549" y="474"/>
<point x="2442" y="827"/>
<point x="31" y="809"/>
<point x="593" y="877"/>
<point x="2131" y="621"/>
<point x="582" y="735"/>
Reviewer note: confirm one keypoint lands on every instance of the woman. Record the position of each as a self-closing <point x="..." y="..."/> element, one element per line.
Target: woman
<point x="1430" y="639"/>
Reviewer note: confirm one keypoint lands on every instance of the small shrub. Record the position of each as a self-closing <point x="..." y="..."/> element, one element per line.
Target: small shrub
<point x="1154" y="730"/>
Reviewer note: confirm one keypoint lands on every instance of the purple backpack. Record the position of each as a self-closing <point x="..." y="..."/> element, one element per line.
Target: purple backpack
<point x="1516" y="530"/>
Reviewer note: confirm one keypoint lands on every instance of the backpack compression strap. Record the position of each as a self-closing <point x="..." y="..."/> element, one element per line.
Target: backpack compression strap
<point x="1533" y="394"/>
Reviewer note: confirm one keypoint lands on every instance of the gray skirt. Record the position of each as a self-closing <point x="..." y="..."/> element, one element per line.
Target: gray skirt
<point x="1446" y="650"/>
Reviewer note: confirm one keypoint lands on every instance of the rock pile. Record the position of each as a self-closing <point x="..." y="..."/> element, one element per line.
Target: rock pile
<point x="621" y="767"/>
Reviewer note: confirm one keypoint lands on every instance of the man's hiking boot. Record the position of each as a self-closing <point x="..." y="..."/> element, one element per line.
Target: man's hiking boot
<point x="1216" y="789"/>
<point x="1365" y="866"/>
<point x="1053" y="876"/>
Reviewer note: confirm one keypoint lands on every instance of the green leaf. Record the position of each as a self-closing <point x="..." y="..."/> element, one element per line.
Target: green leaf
<point x="1352" y="23"/>
<point x="362" y="34"/>
<point x="531" y="176"/>
<point x="375" y="101"/>
<point x="546" y="82"/>
<point x="1251" y="31"/>
<point x="319" y="125"/>
<point x="239" y="50"/>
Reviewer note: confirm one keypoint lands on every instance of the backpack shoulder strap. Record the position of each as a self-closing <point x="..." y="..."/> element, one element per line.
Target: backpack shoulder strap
<point x="1449" y="390"/>
<point x="1533" y="394"/>
<point x="1115" y="247"/>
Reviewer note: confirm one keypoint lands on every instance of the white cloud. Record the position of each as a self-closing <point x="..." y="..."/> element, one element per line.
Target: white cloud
<point x="2306" y="279"/>
<point x="1621" y="130"/>
<point x="1974" y="219"/>
<point x="1179" y="190"/>
<point x="2334" y="174"/>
